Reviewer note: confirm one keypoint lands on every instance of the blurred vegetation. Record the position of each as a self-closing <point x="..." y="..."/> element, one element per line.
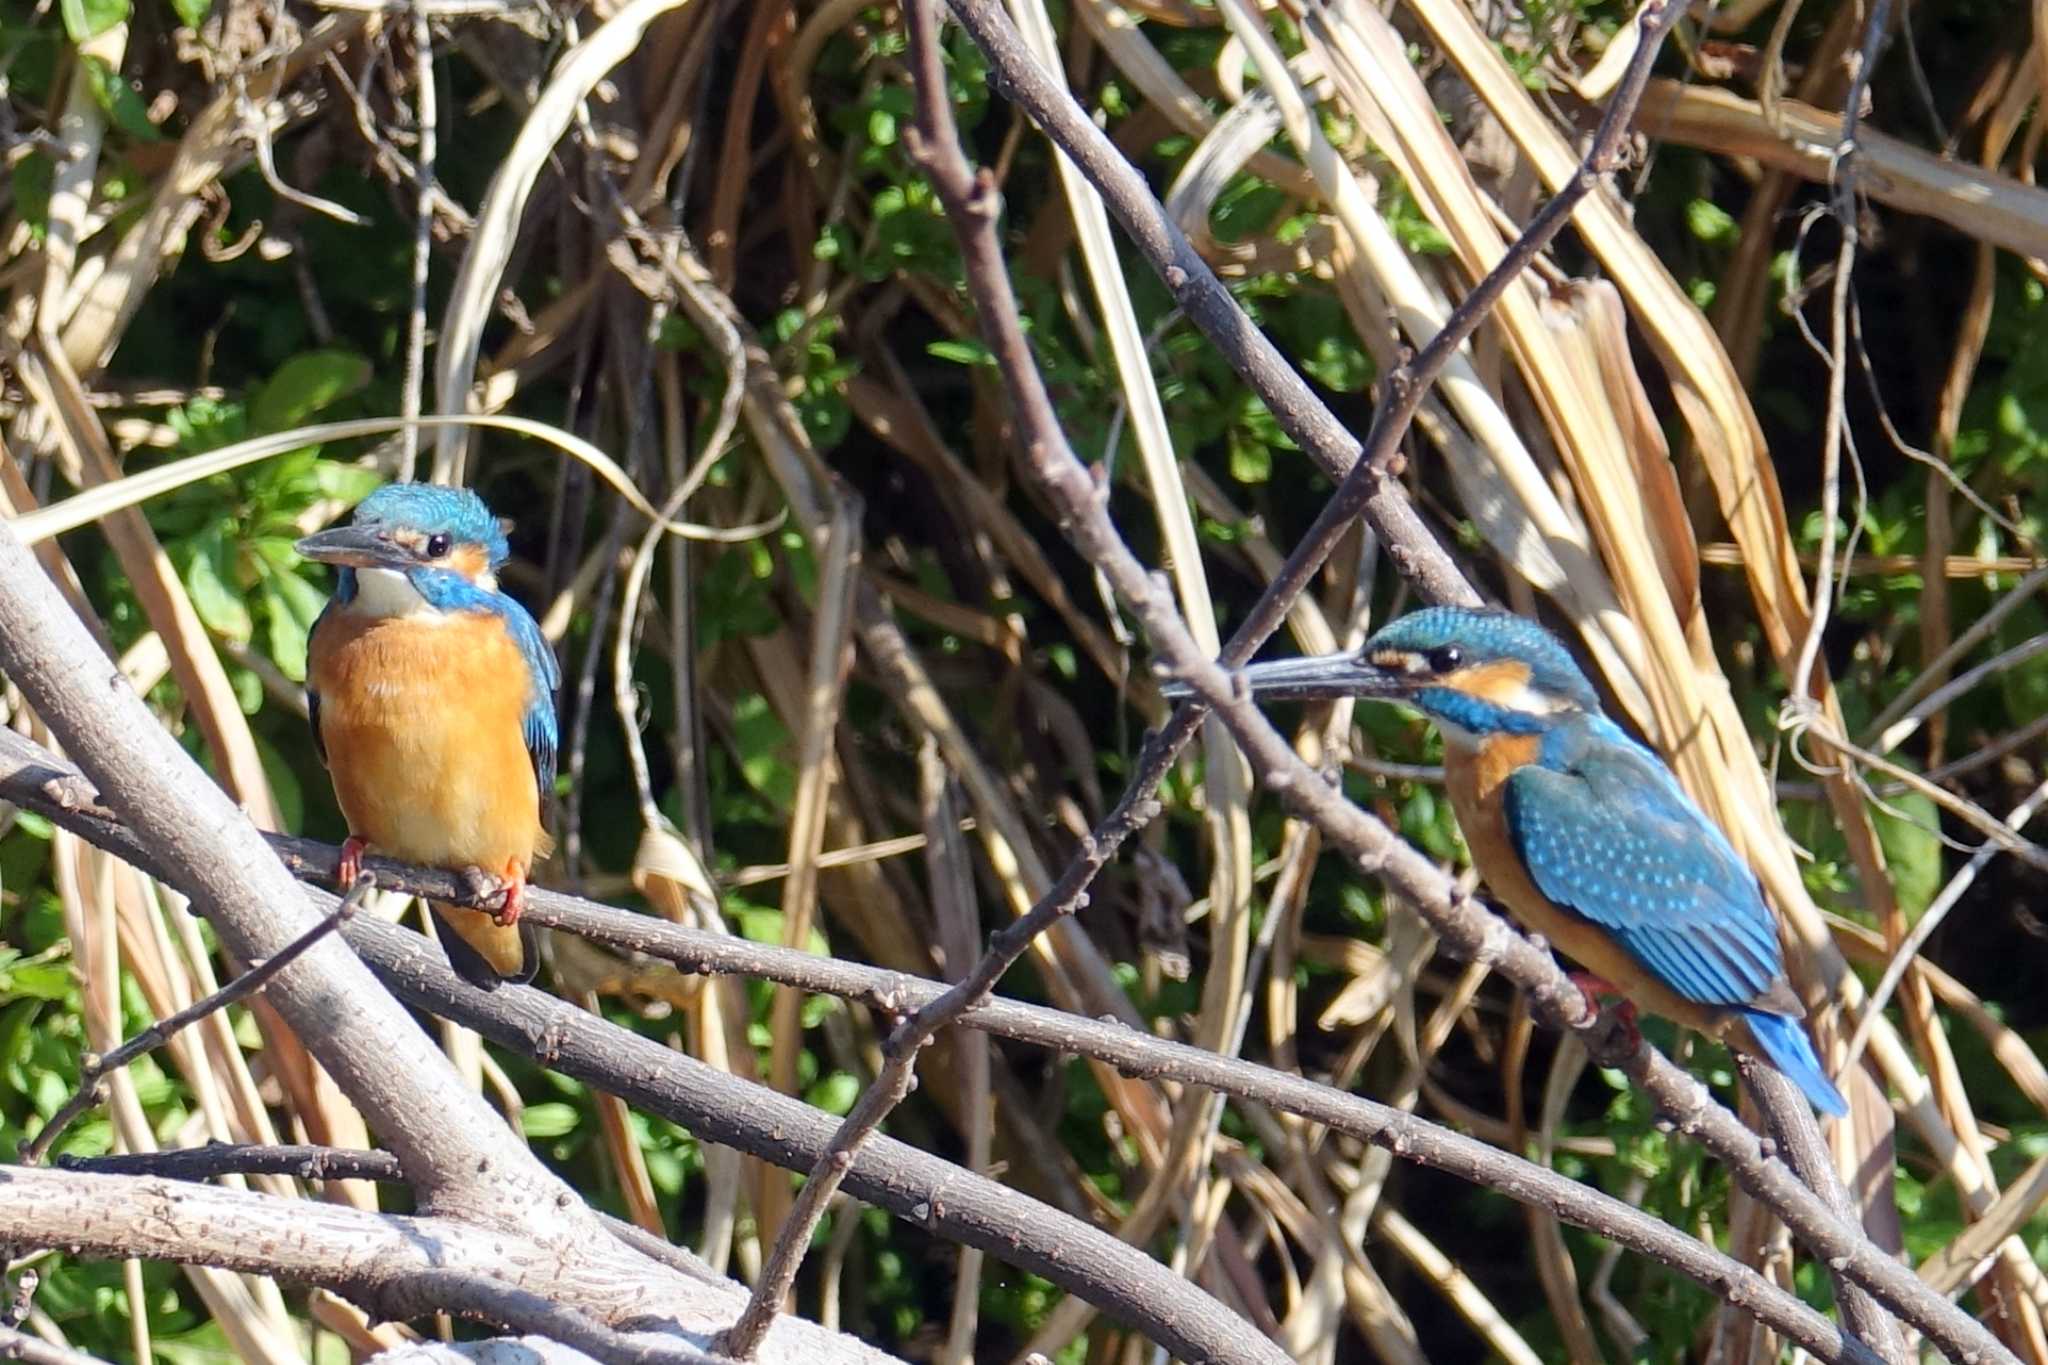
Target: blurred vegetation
<point x="794" y="184"/>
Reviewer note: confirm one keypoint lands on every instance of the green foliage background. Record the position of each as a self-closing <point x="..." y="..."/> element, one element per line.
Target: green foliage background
<point x="844" y="267"/>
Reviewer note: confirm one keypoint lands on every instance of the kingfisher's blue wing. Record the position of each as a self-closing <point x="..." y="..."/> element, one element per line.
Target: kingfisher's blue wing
<point x="1606" y="832"/>
<point x="542" y="737"/>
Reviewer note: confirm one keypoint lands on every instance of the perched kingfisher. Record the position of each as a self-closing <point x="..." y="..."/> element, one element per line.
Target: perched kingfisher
<point x="433" y="705"/>
<point x="1583" y="832"/>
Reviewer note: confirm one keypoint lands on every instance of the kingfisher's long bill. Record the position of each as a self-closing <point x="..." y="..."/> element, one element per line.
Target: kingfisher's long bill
<point x="1582" y="832"/>
<point x="433" y="704"/>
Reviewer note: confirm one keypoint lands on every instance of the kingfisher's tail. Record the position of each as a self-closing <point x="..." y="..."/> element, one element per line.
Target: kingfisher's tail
<point x="1784" y="1042"/>
<point x="482" y="951"/>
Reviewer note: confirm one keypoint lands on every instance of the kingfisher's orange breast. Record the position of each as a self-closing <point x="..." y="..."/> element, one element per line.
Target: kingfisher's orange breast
<point x="1475" y="779"/>
<point x="423" y="721"/>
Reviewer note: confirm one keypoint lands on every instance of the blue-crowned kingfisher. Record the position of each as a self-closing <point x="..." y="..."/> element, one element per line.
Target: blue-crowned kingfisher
<point x="1582" y="832"/>
<point x="433" y="705"/>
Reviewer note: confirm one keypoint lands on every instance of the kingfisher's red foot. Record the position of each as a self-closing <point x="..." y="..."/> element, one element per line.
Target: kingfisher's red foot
<point x="514" y="904"/>
<point x="351" y="868"/>
<point x="1595" y="988"/>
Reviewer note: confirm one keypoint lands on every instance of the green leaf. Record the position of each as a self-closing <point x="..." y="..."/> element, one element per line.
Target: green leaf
<point x="248" y="689"/>
<point x="17" y="1033"/>
<point x="209" y="578"/>
<point x="192" y="13"/>
<point x="835" y="1094"/>
<point x="961" y="352"/>
<point x="1712" y="223"/>
<point x="46" y="976"/>
<point x="1250" y="462"/>
<point x="549" y="1120"/>
<point x="1910" y="834"/>
<point x="760" y="924"/>
<point x="305" y="600"/>
<point x="85" y="19"/>
<point x="763" y="742"/>
<point x="287" y="633"/>
<point x="205" y="1345"/>
<point x="33" y="177"/>
<point x="118" y="101"/>
<point x="345" y="482"/>
<point x="304" y="385"/>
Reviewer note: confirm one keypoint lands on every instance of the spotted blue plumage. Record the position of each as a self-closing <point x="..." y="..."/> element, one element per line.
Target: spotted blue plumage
<point x="463" y="517"/>
<point x="1605" y="831"/>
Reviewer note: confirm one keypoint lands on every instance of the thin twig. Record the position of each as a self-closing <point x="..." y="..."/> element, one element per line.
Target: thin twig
<point x="1844" y="208"/>
<point x="428" y="194"/>
<point x="301" y="1161"/>
<point x="1805" y="1151"/>
<point x="1929" y="921"/>
<point x="1997" y="831"/>
<point x="1896" y="732"/>
<point x="93" y="1070"/>
<point x="1204" y="300"/>
<point x="1788" y="1111"/>
<point x="1934" y="671"/>
<point x="726" y="341"/>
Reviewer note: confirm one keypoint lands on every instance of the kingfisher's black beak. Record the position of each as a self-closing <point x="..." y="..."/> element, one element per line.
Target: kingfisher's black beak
<point x="1316" y="677"/>
<point x="355" y="547"/>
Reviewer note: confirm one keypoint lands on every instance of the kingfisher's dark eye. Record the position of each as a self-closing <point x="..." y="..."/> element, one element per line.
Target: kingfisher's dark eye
<point x="1444" y="658"/>
<point x="439" y="544"/>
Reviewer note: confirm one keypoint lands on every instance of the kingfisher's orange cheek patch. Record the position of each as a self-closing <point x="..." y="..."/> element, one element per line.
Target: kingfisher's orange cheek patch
<point x="1501" y="681"/>
<point x="471" y="561"/>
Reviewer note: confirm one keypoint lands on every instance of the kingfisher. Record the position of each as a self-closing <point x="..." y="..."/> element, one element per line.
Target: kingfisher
<point x="1582" y="832"/>
<point x="432" y="698"/>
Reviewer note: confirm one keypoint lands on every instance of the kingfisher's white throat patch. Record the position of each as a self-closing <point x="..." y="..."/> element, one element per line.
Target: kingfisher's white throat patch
<point x="387" y="592"/>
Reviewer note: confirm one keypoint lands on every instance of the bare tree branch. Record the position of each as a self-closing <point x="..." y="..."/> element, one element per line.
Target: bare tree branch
<point x="718" y="1107"/>
<point x="1202" y="297"/>
<point x="390" y="1265"/>
<point x="93" y="1070"/>
<point x="929" y="1191"/>
<point x="306" y="1162"/>
<point x="300" y="1161"/>
<point x="1807" y="1153"/>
